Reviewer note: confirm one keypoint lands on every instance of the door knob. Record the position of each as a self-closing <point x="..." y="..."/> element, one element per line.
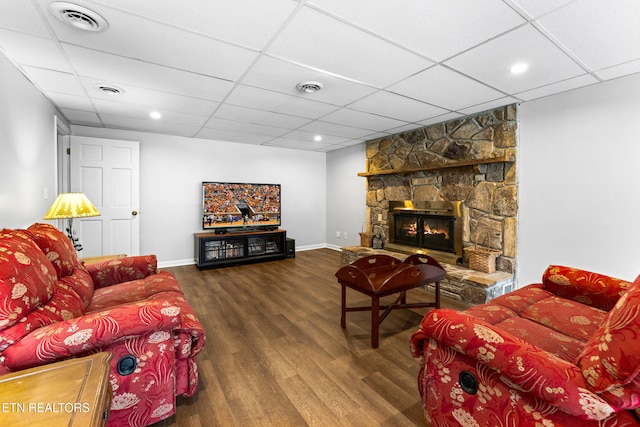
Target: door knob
<point x="134" y="213"/>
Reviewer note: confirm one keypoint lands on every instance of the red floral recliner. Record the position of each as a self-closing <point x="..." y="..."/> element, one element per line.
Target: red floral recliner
<point x="53" y="307"/>
<point x="562" y="353"/>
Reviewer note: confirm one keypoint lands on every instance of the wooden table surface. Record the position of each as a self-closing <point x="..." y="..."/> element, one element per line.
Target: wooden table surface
<point x="74" y="392"/>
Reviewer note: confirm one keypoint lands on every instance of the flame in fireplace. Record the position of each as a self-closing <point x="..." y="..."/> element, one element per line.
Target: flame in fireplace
<point x="410" y="229"/>
<point x="435" y="231"/>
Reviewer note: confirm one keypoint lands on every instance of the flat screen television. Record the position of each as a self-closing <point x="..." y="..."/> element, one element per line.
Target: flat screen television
<point x="234" y="206"/>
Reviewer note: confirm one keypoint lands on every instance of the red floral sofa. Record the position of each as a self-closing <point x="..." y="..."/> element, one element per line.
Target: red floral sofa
<point x="53" y="307"/>
<point x="565" y="352"/>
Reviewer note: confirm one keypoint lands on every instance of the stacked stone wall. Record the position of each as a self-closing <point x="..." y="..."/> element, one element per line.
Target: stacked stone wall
<point x="489" y="191"/>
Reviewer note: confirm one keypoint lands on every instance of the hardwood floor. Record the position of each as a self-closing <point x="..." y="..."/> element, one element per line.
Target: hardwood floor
<point x="277" y="356"/>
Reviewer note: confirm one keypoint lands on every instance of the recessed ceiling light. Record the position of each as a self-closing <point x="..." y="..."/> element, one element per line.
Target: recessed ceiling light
<point x="317" y="138"/>
<point x="519" y="68"/>
<point x="78" y="17"/>
<point x="309" y="87"/>
<point x="155" y="115"/>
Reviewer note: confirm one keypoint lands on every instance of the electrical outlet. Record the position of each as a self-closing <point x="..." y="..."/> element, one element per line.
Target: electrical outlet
<point x="345" y="234"/>
<point x="379" y="217"/>
<point x="338" y="234"/>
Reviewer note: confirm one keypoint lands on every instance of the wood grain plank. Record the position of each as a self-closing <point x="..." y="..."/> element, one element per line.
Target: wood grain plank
<point x="277" y="356"/>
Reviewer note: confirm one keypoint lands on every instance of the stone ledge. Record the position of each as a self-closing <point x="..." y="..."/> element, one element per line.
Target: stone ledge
<point x="469" y="287"/>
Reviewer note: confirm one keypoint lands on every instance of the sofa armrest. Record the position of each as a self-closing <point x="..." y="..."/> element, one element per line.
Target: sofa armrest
<point x="76" y="336"/>
<point x="112" y="272"/>
<point x="520" y="365"/>
<point x="594" y="289"/>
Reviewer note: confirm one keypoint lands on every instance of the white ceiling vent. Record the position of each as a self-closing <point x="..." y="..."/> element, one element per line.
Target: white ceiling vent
<point x="309" y="87"/>
<point x="109" y="89"/>
<point x="78" y="17"/>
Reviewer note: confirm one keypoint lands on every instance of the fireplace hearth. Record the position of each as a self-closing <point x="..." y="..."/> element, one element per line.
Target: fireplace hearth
<point x="428" y="225"/>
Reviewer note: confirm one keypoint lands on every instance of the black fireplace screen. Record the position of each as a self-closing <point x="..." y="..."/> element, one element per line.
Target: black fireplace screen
<point x="425" y="231"/>
<point x="406" y="229"/>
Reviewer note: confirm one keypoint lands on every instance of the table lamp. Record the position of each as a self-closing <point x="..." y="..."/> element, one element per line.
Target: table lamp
<point x="69" y="206"/>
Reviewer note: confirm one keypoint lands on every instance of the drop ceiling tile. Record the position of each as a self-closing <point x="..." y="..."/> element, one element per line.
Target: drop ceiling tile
<point x="281" y="76"/>
<point x="349" y="143"/>
<point x="601" y="34"/>
<point x="247" y="96"/>
<point x="491" y="62"/>
<point x="445" y="88"/>
<point x="376" y="135"/>
<point x="72" y="102"/>
<point x="576" y="82"/>
<point x="250" y="23"/>
<point x="309" y="137"/>
<point x="152" y="99"/>
<point x="55" y="81"/>
<point x="440" y="119"/>
<point x="489" y="105"/>
<point x="78" y="117"/>
<point x="324" y="149"/>
<point x="319" y="41"/>
<point x="144" y="125"/>
<point x="297" y="144"/>
<point x="35" y="51"/>
<point x="396" y="106"/>
<point x="160" y="44"/>
<point x="326" y="128"/>
<point x="437" y="28"/>
<point x="261" y="117"/>
<point x="405" y="128"/>
<point x="22" y="16"/>
<point x="619" y="70"/>
<point x="223" y="135"/>
<point x="125" y="71"/>
<point x="349" y="117"/>
<point x="536" y="8"/>
<point x="137" y="112"/>
<point x="243" y="127"/>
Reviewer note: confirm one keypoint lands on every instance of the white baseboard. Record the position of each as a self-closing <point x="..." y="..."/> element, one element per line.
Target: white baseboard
<point x="175" y="263"/>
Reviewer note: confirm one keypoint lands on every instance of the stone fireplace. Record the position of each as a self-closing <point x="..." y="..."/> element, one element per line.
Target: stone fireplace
<point x="470" y="162"/>
<point x="456" y="177"/>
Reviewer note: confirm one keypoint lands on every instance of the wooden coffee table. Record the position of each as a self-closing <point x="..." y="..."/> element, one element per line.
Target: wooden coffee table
<point x="381" y="275"/>
<point x="74" y="392"/>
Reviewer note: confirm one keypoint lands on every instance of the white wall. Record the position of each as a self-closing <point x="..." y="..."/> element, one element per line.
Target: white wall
<point x="172" y="169"/>
<point x="580" y="181"/>
<point x="27" y="150"/>
<point x="346" y="195"/>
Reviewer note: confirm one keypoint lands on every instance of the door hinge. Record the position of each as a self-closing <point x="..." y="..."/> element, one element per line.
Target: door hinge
<point x="68" y="151"/>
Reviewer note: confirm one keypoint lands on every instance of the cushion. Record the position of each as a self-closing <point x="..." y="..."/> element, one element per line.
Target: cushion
<point x="568" y="317"/>
<point x="610" y="361"/>
<point x="27" y="277"/>
<point x="584" y="286"/>
<point x="80" y="281"/>
<point x="64" y="305"/>
<point x="56" y="246"/>
<point x="134" y="290"/>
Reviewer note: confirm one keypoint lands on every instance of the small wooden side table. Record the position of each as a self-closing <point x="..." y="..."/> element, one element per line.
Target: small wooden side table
<point x="382" y="275"/>
<point x="74" y="392"/>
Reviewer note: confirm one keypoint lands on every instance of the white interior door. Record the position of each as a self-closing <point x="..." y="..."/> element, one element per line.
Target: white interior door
<point x="107" y="171"/>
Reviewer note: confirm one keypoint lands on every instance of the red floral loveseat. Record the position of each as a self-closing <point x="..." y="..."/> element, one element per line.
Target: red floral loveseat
<point x="53" y="307"/>
<point x="565" y="352"/>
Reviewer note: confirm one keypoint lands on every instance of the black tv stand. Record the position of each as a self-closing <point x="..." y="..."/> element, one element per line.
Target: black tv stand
<point x="239" y="246"/>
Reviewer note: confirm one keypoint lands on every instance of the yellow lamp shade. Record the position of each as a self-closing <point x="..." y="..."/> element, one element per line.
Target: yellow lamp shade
<point x="71" y="205"/>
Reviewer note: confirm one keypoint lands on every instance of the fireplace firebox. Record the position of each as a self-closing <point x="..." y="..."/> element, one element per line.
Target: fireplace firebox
<point x="433" y="225"/>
